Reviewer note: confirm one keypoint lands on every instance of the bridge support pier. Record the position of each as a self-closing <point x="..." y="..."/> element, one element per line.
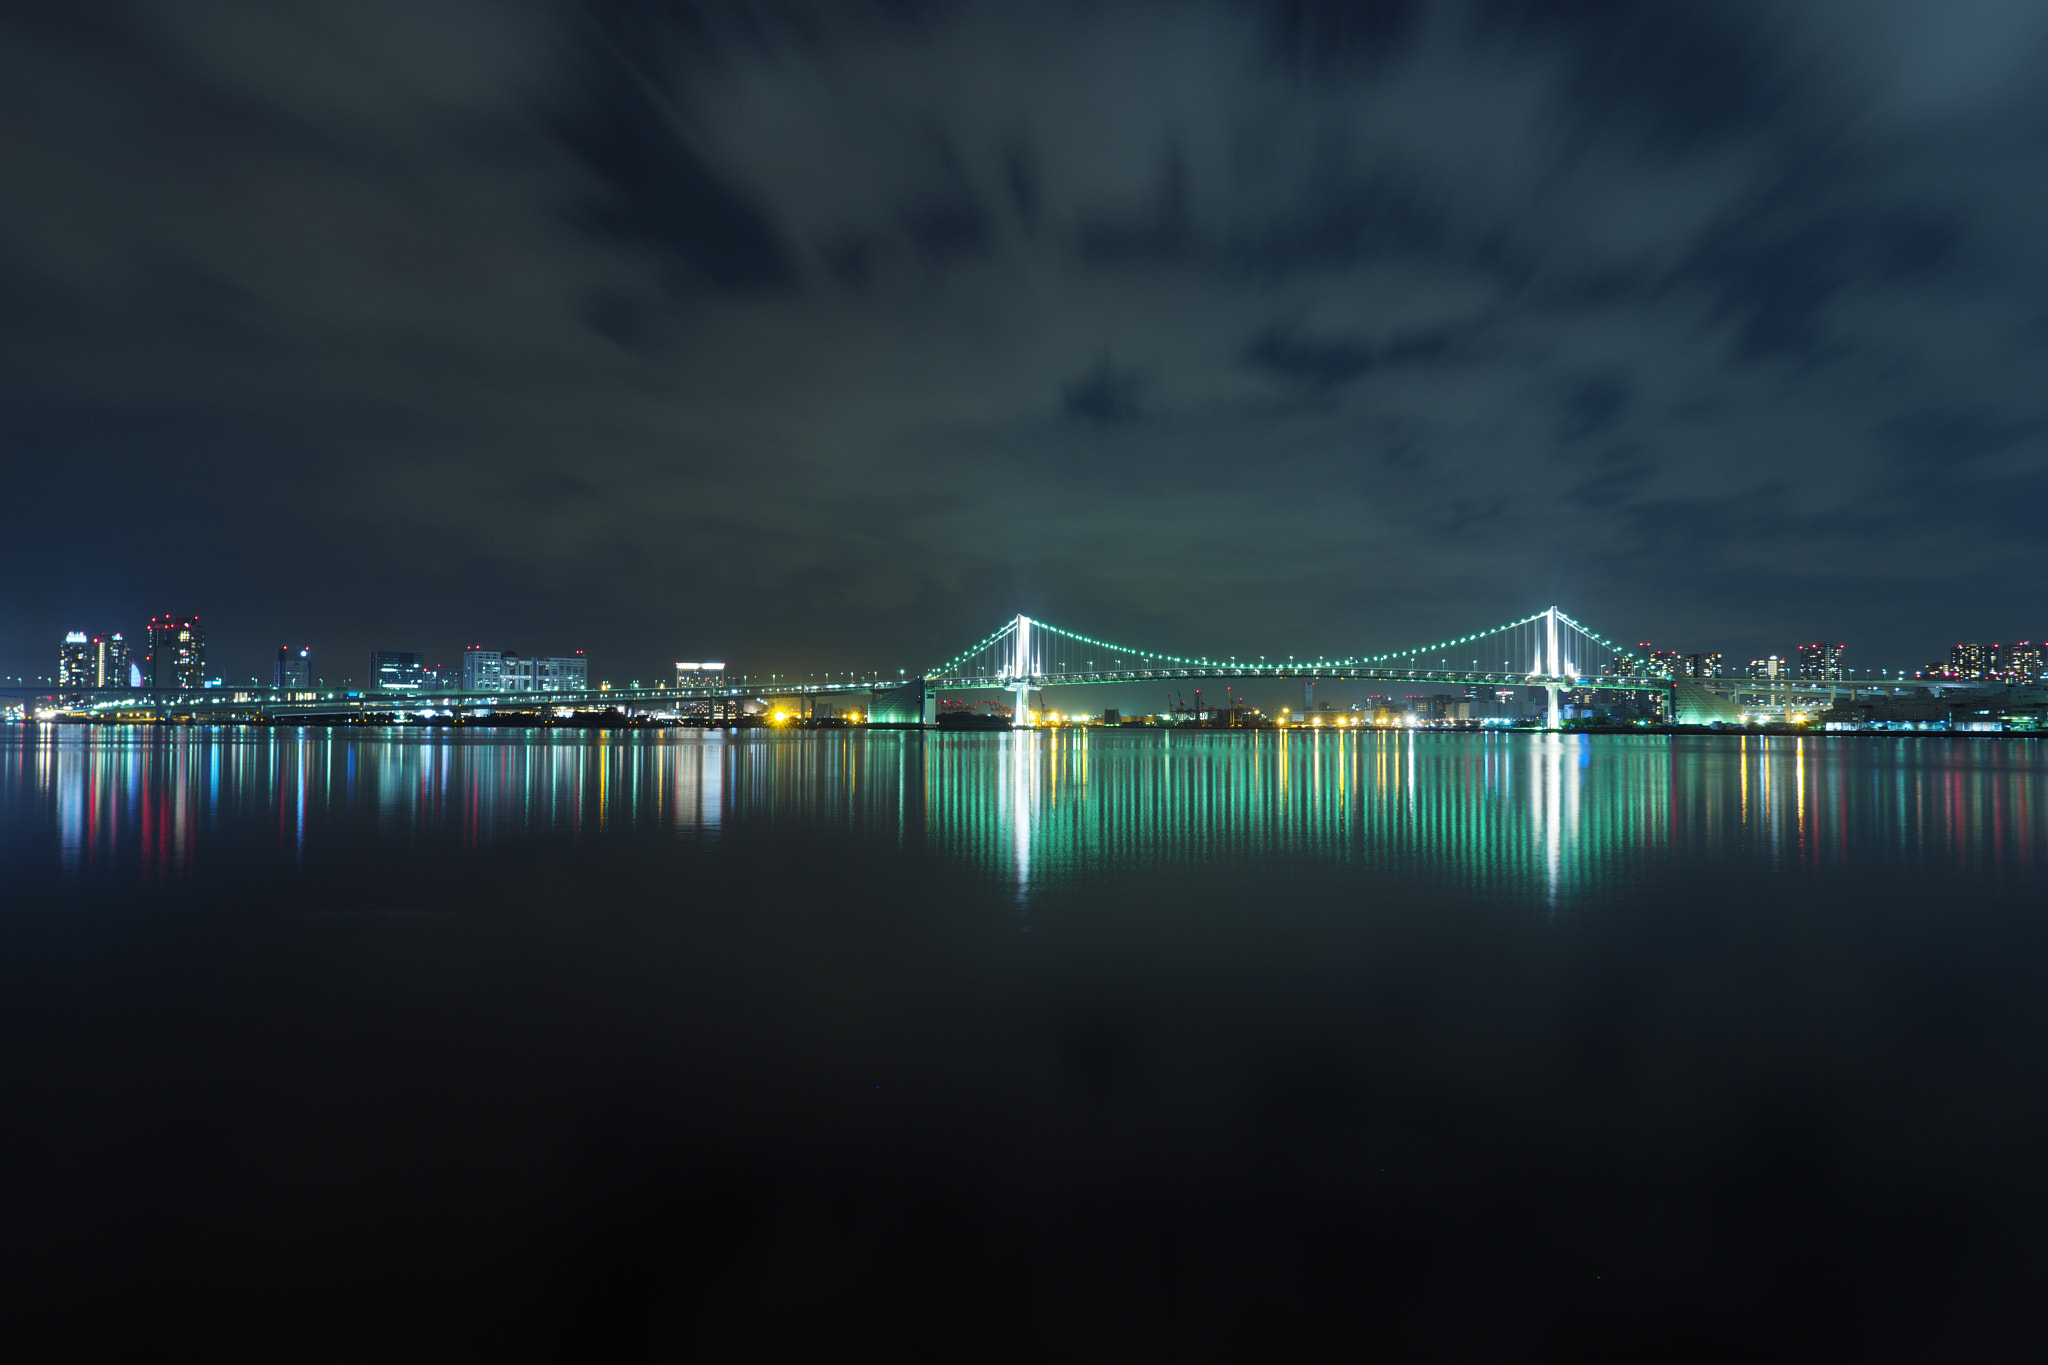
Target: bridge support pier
<point x="1021" y="715"/>
<point x="1551" y="719"/>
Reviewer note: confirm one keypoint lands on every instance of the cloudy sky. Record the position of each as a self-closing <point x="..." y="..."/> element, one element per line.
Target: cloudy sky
<point x="831" y="335"/>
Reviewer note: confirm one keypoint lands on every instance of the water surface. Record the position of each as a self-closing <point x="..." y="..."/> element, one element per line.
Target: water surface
<point x="1086" y="1044"/>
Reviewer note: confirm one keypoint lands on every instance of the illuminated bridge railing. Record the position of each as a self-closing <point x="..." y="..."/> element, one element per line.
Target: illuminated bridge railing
<point x="1450" y="677"/>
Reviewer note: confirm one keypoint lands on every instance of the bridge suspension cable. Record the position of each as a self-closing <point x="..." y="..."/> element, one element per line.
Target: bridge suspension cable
<point x="1547" y="644"/>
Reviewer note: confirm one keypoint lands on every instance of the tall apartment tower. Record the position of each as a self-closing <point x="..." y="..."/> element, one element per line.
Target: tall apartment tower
<point x="177" y="654"/>
<point x="109" y="660"/>
<point x="1820" y="662"/>
<point x="294" y="670"/>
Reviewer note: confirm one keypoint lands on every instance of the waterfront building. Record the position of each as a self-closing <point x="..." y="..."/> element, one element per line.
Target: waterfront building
<point x="2022" y="662"/>
<point x="74" y="663"/>
<point x="1771" y="667"/>
<point x="1671" y="663"/>
<point x="1666" y="663"/>
<point x="177" y="654"/>
<point x="397" y="670"/>
<point x="483" y="670"/>
<point x="293" y="671"/>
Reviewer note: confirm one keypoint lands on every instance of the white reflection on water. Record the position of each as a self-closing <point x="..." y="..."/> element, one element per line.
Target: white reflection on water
<point x="1019" y="757"/>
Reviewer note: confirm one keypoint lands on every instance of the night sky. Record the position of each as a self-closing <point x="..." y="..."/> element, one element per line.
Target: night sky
<point x="832" y="335"/>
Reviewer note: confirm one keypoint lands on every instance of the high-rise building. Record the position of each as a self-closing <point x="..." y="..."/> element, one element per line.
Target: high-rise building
<point x="109" y="660"/>
<point x="1703" y="665"/>
<point x="397" y="670"/>
<point x="177" y="654"/>
<point x="1820" y="662"/>
<point x="1772" y="667"/>
<point x="483" y="670"/>
<point x="293" y="671"/>
<point x="74" y="663"/>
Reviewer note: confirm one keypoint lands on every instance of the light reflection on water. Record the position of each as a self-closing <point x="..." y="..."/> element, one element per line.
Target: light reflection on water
<point x="1550" y="817"/>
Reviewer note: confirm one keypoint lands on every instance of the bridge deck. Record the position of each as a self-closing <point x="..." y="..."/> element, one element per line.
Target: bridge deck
<point x="268" y="701"/>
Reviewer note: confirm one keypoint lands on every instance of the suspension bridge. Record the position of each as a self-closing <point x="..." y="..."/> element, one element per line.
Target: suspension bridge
<point x="1547" y="650"/>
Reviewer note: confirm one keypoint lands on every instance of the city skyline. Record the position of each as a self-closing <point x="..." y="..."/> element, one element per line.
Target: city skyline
<point x="103" y="655"/>
<point x="2022" y="660"/>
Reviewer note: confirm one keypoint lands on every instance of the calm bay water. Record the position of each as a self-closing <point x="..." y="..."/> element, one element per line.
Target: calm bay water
<point x="1084" y="1045"/>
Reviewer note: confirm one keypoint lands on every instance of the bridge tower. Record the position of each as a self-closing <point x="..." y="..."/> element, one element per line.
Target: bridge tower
<point x="1021" y="671"/>
<point x="1551" y="669"/>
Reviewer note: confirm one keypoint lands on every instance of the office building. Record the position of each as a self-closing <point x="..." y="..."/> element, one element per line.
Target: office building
<point x="494" y="670"/>
<point x="293" y="671"/>
<point x="1772" y="667"/>
<point x="569" y="673"/>
<point x="559" y="673"/>
<point x="443" y="677"/>
<point x="177" y="654"/>
<point x="74" y="663"/>
<point x="397" y="670"/>
<point x="483" y="670"/>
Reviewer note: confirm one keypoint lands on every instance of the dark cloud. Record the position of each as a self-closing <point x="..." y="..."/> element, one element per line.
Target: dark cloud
<point x="831" y="333"/>
<point x="1105" y="394"/>
<point x="1320" y="364"/>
